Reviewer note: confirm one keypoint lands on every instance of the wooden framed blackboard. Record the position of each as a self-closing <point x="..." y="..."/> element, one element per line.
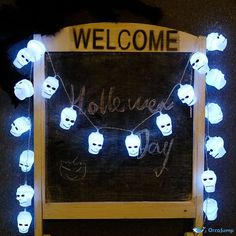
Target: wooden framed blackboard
<point x="122" y="75"/>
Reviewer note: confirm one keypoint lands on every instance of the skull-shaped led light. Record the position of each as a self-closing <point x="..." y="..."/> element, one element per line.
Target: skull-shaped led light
<point x="26" y="160"/>
<point x="95" y="142"/>
<point x="68" y="118"/>
<point x="132" y="143"/>
<point x="24" y="195"/>
<point x="186" y="94"/>
<point x="209" y="180"/>
<point x="24" y="220"/>
<point x="23" y="57"/>
<point x="216" y="41"/>
<point x="210" y="208"/>
<point x="50" y="86"/>
<point x="37" y="48"/>
<point x="20" y="126"/>
<point x="215" y="147"/>
<point x="24" y="89"/>
<point x="213" y="113"/>
<point x="164" y="123"/>
<point x="199" y="62"/>
<point x="215" y="78"/>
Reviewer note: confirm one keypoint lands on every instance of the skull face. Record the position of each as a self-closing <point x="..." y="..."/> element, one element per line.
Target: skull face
<point x="26" y="160"/>
<point x="216" y="41"/>
<point x="215" y="147"/>
<point x="132" y="143"/>
<point x="68" y="118"/>
<point x="199" y="62"/>
<point x="24" y="89"/>
<point x="213" y="113"/>
<point x="209" y="180"/>
<point x="210" y="208"/>
<point x="164" y="123"/>
<point x="24" y="195"/>
<point x="50" y="86"/>
<point x="215" y="78"/>
<point x="24" y="220"/>
<point x="37" y="48"/>
<point x="20" y="126"/>
<point x="95" y="142"/>
<point x="186" y="94"/>
<point x="23" y="57"/>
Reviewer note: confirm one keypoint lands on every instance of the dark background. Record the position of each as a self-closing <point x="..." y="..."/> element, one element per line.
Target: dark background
<point x="195" y="17"/>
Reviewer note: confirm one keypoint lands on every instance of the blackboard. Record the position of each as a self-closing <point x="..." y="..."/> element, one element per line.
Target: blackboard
<point x="119" y="90"/>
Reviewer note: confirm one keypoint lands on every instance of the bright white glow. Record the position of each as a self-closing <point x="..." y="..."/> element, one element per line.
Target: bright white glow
<point x="210" y="208"/>
<point x="26" y="160"/>
<point x="24" y="220"/>
<point x="50" y="86"/>
<point x="20" y="126"/>
<point x="24" y="89"/>
<point x="24" y="195"/>
<point x="215" y="78"/>
<point x="37" y="48"/>
<point x="23" y="57"/>
<point x="199" y="62"/>
<point x="68" y="118"/>
<point x="213" y="113"/>
<point x="209" y="179"/>
<point x="95" y="142"/>
<point x="164" y="123"/>
<point x="215" y="147"/>
<point x="216" y="41"/>
<point x="186" y="94"/>
<point x="132" y="143"/>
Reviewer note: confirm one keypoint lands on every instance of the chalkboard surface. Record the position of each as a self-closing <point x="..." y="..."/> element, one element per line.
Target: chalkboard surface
<point x="119" y="90"/>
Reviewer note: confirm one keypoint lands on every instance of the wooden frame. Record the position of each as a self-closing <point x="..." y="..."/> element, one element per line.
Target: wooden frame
<point x="117" y="210"/>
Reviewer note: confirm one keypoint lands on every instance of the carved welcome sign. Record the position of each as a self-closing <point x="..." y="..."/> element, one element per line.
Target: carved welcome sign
<point x="122" y="75"/>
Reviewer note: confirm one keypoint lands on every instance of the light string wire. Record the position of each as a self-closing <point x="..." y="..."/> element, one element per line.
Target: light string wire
<point x="115" y="128"/>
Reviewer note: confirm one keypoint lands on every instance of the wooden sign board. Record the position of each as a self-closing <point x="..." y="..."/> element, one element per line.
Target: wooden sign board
<point x="122" y="75"/>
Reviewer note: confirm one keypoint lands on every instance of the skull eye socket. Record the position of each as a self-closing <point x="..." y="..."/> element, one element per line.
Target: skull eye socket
<point x="72" y="121"/>
<point x="197" y="60"/>
<point x="18" y="195"/>
<point x="182" y="99"/>
<point x="16" y="128"/>
<point x="20" y="164"/>
<point x="135" y="146"/>
<point x="205" y="179"/>
<point x="211" y="178"/>
<point x="26" y="166"/>
<point x="53" y="88"/>
<point x="193" y="64"/>
<point x="48" y="86"/>
<point x="26" y="59"/>
<point x="129" y="147"/>
<point x="67" y="119"/>
<point x="99" y="145"/>
<point x="211" y="150"/>
<point x="168" y="124"/>
<point x="94" y="144"/>
<point x="22" y="195"/>
<point x="187" y="96"/>
<point x="20" y="224"/>
<point x="22" y="56"/>
<point x="162" y="126"/>
<point x="26" y="224"/>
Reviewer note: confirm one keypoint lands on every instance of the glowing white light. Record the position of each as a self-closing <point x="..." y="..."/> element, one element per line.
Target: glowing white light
<point x="95" y="142"/>
<point x="24" y="195"/>
<point x="215" y="147"/>
<point x="50" y="86"/>
<point x="215" y="78"/>
<point x="210" y="208"/>
<point x="216" y="41"/>
<point x="20" y="126"/>
<point x="213" y="113"/>
<point x="26" y="160"/>
<point x="24" y="220"/>
<point x="199" y="62"/>
<point x="37" y="48"/>
<point x="23" y="57"/>
<point x="132" y="143"/>
<point x="24" y="89"/>
<point x="209" y="179"/>
<point x="164" y="123"/>
<point x="186" y="94"/>
<point x="68" y="118"/>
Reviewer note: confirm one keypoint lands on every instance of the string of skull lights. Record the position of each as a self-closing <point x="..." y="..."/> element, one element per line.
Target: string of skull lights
<point x="214" y="145"/>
